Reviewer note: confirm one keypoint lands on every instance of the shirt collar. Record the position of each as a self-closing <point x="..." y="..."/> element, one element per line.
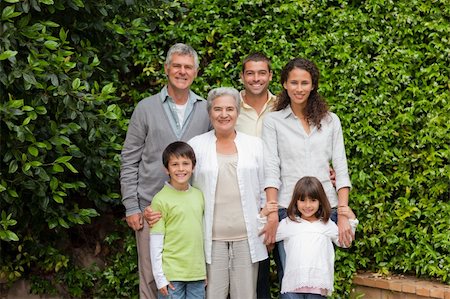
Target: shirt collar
<point x="171" y="187"/>
<point x="193" y="97"/>
<point x="287" y="112"/>
<point x="271" y="99"/>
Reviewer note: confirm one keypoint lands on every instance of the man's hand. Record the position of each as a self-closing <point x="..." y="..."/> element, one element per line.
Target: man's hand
<point x="135" y="221"/>
<point x="165" y="291"/>
<point x="346" y="235"/>
<point x="151" y="216"/>
<point x="270" y="229"/>
<point x="333" y="177"/>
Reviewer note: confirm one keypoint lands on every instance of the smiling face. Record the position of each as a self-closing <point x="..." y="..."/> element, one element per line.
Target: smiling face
<point x="180" y="72"/>
<point x="180" y="171"/>
<point x="298" y="86"/>
<point x="223" y="114"/>
<point x="308" y="208"/>
<point x="256" y="77"/>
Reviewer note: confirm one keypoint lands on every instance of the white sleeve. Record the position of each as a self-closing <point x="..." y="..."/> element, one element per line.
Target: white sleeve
<point x="156" y="249"/>
<point x="262" y="220"/>
<point x="353" y="224"/>
<point x="270" y="153"/>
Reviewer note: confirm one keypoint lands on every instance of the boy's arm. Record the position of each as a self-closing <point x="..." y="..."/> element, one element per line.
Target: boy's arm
<point x="156" y="249"/>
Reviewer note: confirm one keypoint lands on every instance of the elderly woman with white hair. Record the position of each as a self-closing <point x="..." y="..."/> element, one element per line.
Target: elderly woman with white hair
<point x="230" y="174"/>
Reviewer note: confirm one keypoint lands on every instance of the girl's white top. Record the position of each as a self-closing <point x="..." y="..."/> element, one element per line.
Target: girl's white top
<point x="309" y="253"/>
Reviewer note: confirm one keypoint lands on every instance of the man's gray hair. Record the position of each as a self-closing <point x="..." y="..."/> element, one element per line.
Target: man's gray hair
<point x="224" y="91"/>
<point x="182" y="49"/>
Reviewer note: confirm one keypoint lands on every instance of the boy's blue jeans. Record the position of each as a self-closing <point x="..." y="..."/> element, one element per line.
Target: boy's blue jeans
<point x="186" y="290"/>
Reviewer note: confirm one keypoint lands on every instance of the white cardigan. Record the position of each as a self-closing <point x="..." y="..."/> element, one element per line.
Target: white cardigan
<point x="250" y="175"/>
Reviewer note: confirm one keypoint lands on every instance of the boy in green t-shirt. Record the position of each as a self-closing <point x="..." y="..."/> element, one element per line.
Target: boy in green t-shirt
<point x="176" y="240"/>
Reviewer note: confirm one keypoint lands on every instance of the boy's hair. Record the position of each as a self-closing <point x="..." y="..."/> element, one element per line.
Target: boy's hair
<point x="311" y="187"/>
<point x="178" y="149"/>
<point x="257" y="56"/>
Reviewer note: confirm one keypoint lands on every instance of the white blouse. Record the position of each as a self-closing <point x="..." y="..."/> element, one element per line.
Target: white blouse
<point x="290" y="154"/>
<point x="309" y="253"/>
<point x="250" y="175"/>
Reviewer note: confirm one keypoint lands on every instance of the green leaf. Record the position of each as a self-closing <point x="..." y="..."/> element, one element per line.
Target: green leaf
<point x="27" y="108"/>
<point x="33" y="151"/>
<point x="8" y="13"/>
<point x="62" y="34"/>
<point x="26" y="167"/>
<point x="70" y="167"/>
<point x="78" y="3"/>
<point x="15" y="103"/>
<point x="57" y="168"/>
<point x="53" y="183"/>
<point x="26" y="121"/>
<point x="52" y="223"/>
<point x="76" y="83"/>
<point x="13" y="193"/>
<point x="63" y="223"/>
<point x="58" y="198"/>
<point x="7" y="54"/>
<point x="63" y="159"/>
<point x="109" y="88"/>
<point x="13" y="166"/>
<point x="11" y="236"/>
<point x="50" y="44"/>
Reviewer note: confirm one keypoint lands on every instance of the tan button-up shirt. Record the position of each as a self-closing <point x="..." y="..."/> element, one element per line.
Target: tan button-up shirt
<point x="249" y="122"/>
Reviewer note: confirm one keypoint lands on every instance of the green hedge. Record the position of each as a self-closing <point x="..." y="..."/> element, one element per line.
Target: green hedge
<point x="70" y="72"/>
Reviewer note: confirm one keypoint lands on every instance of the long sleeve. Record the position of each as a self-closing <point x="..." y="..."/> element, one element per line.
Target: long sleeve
<point x="156" y="249"/>
<point x="339" y="158"/>
<point x="271" y="155"/>
<point x="260" y="161"/>
<point x="131" y="156"/>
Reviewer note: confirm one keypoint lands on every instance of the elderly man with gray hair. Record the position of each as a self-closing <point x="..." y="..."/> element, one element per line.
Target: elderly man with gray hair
<point x="174" y="114"/>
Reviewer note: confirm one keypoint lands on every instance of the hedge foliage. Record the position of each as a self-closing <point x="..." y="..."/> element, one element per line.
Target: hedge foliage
<point x="71" y="71"/>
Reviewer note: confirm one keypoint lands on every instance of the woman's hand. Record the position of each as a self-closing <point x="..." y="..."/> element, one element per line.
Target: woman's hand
<point x="269" y="208"/>
<point x="151" y="216"/>
<point x="346" y="212"/>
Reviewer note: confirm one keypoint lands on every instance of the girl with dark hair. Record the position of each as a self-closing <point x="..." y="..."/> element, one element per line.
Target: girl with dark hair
<point x="308" y="238"/>
<point x="303" y="138"/>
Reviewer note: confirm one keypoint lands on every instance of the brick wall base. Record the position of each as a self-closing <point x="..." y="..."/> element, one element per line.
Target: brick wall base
<point x="373" y="286"/>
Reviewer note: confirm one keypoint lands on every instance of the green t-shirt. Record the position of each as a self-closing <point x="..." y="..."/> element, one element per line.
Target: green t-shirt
<point x="182" y="226"/>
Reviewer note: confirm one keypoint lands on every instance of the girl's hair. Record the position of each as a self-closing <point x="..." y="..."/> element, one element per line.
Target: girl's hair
<point x="316" y="107"/>
<point x="311" y="187"/>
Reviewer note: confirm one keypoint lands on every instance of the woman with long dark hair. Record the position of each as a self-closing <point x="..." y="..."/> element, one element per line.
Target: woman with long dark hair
<point x="303" y="138"/>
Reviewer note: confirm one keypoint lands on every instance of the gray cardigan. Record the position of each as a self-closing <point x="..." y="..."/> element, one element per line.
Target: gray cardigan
<point x="142" y="173"/>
